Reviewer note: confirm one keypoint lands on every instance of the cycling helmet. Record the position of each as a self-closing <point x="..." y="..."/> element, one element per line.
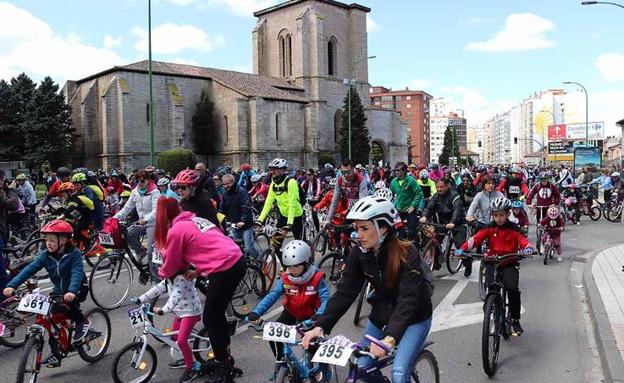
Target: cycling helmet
<point x="553" y="212"/>
<point x="59" y="227"/>
<point x="126" y="187"/>
<point x="256" y="178"/>
<point x="481" y="168"/>
<point x="424" y="174"/>
<point x="380" y="185"/>
<point x="67" y="186"/>
<point x="21" y="177"/>
<point x="114" y="173"/>
<point x="297" y="252"/>
<point x="514" y="169"/>
<point x="517" y="204"/>
<point x="373" y="208"/>
<point x="160" y="172"/>
<point x="79" y="178"/>
<point x="164" y="181"/>
<point x="332" y="182"/>
<point x="150" y="169"/>
<point x="384" y="193"/>
<point x="63" y="172"/>
<point x="90" y="173"/>
<point x="544" y="175"/>
<point x="278" y="163"/>
<point x="500" y="204"/>
<point x="125" y="194"/>
<point x="615" y="174"/>
<point x="328" y="166"/>
<point x="186" y="177"/>
<point x="245" y="167"/>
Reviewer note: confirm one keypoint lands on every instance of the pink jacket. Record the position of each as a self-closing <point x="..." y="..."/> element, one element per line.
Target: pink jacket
<point x="196" y="241"/>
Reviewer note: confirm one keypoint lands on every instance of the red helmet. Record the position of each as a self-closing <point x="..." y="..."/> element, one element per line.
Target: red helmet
<point x="245" y="167"/>
<point x="186" y="177"/>
<point x="66" y="186"/>
<point x="57" y="226"/>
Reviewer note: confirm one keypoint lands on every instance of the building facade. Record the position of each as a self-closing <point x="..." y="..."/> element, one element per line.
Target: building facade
<point x="443" y="115"/>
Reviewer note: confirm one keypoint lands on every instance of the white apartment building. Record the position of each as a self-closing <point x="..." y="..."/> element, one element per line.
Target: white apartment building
<point x="443" y="113"/>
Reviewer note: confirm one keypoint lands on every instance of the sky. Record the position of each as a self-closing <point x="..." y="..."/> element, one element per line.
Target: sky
<point x="483" y="55"/>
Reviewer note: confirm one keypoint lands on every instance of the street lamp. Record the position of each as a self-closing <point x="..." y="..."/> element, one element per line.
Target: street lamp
<point x="349" y="94"/>
<point x="586" y="110"/>
<point x="149" y="75"/>
<point x="601" y="2"/>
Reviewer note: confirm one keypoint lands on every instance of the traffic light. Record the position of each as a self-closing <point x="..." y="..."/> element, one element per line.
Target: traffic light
<point x="515" y="140"/>
<point x="479" y="144"/>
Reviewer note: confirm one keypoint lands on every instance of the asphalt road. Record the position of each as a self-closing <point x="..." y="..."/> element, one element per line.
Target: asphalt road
<point x="556" y="345"/>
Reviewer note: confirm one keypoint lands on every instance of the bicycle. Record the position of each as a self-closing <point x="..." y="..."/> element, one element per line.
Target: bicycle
<point x="496" y="320"/>
<point x="293" y="368"/>
<point x="268" y="257"/>
<point x="549" y="248"/>
<point x="484" y="249"/>
<point x="309" y="227"/>
<point x="339" y="351"/>
<point x="539" y="212"/>
<point x="14" y="324"/>
<point x="249" y="290"/>
<point x="436" y="251"/>
<point x="331" y="237"/>
<point x="333" y="264"/>
<point x="56" y="327"/>
<point x="137" y="361"/>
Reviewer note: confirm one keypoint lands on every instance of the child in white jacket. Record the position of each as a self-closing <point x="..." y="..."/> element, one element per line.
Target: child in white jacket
<point x="185" y="304"/>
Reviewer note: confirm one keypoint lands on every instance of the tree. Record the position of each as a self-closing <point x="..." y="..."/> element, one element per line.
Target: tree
<point x="360" y="141"/>
<point x="175" y="160"/>
<point x="204" y="126"/>
<point x="450" y="148"/>
<point x="14" y="102"/>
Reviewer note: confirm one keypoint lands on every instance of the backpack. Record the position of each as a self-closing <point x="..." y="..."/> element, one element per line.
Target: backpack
<point x="302" y="193"/>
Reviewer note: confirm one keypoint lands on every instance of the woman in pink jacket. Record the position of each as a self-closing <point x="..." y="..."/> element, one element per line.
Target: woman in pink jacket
<point x="195" y="244"/>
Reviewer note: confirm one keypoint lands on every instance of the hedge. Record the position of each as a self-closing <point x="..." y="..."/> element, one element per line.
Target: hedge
<point x="174" y="160"/>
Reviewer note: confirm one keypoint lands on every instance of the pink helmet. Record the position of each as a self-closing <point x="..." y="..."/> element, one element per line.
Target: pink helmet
<point x="186" y="177"/>
<point x="553" y="212"/>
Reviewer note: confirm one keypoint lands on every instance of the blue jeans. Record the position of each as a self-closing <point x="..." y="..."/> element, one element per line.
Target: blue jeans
<point x="407" y="350"/>
<point x="248" y="239"/>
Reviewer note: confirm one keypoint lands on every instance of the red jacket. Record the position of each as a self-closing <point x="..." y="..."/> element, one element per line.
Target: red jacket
<point x="503" y="239"/>
<point x="553" y="226"/>
<point x="546" y="195"/>
<point x="302" y="301"/>
<point x="341" y="211"/>
<point x="118" y="186"/>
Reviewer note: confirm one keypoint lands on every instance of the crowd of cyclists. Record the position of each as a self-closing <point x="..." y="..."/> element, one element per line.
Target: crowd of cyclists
<point x="197" y="231"/>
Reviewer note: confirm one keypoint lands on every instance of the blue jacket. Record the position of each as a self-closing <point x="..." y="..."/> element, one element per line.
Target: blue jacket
<point x="278" y="290"/>
<point x="171" y="194"/>
<point x="98" y="213"/>
<point x="67" y="274"/>
<point x="236" y="206"/>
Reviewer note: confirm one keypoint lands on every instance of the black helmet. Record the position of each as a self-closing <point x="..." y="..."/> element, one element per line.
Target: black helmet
<point x="63" y="172"/>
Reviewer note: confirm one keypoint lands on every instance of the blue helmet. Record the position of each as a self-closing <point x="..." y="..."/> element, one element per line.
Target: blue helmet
<point x="517" y="204"/>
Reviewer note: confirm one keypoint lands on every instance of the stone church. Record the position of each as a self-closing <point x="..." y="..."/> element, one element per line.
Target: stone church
<point x="290" y="107"/>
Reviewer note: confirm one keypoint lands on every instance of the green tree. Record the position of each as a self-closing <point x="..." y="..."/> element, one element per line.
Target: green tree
<point x="450" y="148"/>
<point x="15" y="99"/>
<point x="174" y="160"/>
<point x="204" y="126"/>
<point x="360" y="140"/>
<point x="47" y="127"/>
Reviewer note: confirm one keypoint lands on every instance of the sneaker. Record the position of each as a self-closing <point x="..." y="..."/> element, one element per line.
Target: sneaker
<point x="559" y="259"/>
<point x="578" y="224"/>
<point x="516" y="329"/>
<point x="51" y="362"/>
<point x="176" y="364"/>
<point x="467" y="269"/>
<point x="189" y="374"/>
<point x="81" y="330"/>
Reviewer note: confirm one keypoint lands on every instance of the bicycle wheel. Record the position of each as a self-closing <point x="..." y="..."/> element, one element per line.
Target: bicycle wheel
<point x="16" y="325"/>
<point x="202" y="348"/>
<point x="613" y="213"/>
<point x="595" y="213"/>
<point x="31" y="250"/>
<point x="269" y="266"/>
<point x="319" y="245"/>
<point x="262" y="242"/>
<point x="482" y="286"/>
<point x="538" y="241"/>
<point x="287" y="375"/>
<point x="429" y="254"/>
<point x="29" y="365"/>
<point x="110" y="281"/>
<point x="426" y="369"/>
<point x="546" y="253"/>
<point x="94" y="345"/>
<point x="246" y="294"/>
<point x="130" y="366"/>
<point x="333" y="266"/>
<point x="453" y="262"/>
<point x="490" y="337"/>
<point x="360" y="302"/>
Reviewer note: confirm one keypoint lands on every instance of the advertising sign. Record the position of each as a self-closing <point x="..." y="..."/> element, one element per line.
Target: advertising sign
<point x="556" y="132"/>
<point x="587" y="156"/>
<point x="561" y="147"/>
<point x="577" y="131"/>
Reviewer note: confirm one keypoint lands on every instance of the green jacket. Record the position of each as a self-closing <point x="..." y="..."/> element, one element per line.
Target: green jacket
<point x="407" y="195"/>
<point x="287" y="198"/>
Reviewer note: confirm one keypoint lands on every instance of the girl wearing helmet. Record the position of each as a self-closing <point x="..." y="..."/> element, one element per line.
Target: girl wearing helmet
<point x="186" y="185"/>
<point x="519" y="217"/>
<point x="305" y="289"/>
<point x="401" y="305"/>
<point x="258" y="192"/>
<point x="63" y="262"/>
<point x="553" y="224"/>
<point x="503" y="237"/>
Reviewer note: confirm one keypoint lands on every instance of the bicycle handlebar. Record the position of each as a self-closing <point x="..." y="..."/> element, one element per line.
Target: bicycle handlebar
<point x="496" y="258"/>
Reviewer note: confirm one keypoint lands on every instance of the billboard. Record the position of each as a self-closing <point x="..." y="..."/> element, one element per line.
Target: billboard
<point x="573" y="132"/>
<point x="561" y="147"/>
<point x="587" y="156"/>
<point x="557" y="132"/>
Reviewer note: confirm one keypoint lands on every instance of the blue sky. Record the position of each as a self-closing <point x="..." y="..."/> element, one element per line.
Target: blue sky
<point x="484" y="55"/>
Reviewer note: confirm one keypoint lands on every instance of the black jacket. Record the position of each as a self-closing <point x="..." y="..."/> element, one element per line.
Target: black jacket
<point x="466" y="194"/>
<point x="449" y="208"/>
<point x="393" y="310"/>
<point x="236" y="206"/>
<point x="9" y="202"/>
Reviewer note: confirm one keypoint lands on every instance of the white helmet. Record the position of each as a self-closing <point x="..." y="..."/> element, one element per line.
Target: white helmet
<point x="256" y="177"/>
<point x="423" y="175"/>
<point x="514" y="169"/>
<point x="279" y="163"/>
<point x="380" y="185"/>
<point x="164" y="181"/>
<point x="500" y="204"/>
<point x="332" y="182"/>
<point x="385" y="193"/>
<point x="296" y="253"/>
<point x="373" y="208"/>
<point x="615" y="174"/>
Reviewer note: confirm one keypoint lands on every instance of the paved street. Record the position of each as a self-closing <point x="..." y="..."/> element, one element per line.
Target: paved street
<point x="555" y="346"/>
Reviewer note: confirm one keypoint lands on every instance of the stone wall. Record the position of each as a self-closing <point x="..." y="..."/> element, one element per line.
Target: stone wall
<point x="390" y="132"/>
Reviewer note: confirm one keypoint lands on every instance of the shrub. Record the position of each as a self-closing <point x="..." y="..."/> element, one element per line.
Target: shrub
<point x="174" y="160"/>
<point x="325" y="158"/>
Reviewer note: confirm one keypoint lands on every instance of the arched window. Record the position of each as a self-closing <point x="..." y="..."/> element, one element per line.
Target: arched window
<point x="277" y="125"/>
<point x="285" y="53"/>
<point x="332" y="47"/>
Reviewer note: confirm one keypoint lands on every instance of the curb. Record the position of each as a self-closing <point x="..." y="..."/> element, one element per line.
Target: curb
<point x="611" y="360"/>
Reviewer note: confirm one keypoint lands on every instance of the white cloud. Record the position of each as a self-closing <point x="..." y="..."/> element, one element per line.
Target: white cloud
<point x="111" y="42"/>
<point x="522" y="31"/>
<point x="181" y="60"/>
<point x="172" y="38"/>
<point x="238" y="7"/>
<point x="607" y="106"/>
<point x="478" y="108"/>
<point x="30" y="45"/>
<point x="371" y="25"/>
<point x="611" y="66"/>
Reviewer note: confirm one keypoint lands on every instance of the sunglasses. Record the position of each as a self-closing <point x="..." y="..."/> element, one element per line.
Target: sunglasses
<point x="181" y="187"/>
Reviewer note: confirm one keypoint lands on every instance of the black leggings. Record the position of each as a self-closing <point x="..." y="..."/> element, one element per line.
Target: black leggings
<point x="221" y="287"/>
<point x="296" y="228"/>
<point x="277" y="347"/>
<point x="510" y="276"/>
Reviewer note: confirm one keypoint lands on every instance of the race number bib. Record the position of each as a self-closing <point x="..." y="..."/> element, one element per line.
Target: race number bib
<point x="514" y="189"/>
<point x="106" y="239"/>
<point x="335" y="351"/>
<point x="35" y="303"/>
<point x="157" y="257"/>
<point x="136" y="317"/>
<point x="279" y="332"/>
<point x="203" y="224"/>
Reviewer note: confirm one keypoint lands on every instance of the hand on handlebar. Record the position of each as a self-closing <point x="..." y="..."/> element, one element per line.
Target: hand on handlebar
<point x="8" y="291"/>
<point x="309" y="336"/>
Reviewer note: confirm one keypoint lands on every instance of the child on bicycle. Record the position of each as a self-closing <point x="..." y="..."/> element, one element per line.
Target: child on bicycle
<point x="520" y="217"/>
<point x="63" y="262"/>
<point x="503" y="237"/>
<point x="553" y="225"/>
<point x="303" y="284"/>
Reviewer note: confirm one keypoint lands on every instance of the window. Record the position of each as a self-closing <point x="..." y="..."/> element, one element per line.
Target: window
<point x="408" y="98"/>
<point x="227" y="128"/>
<point x="397" y="98"/>
<point x="277" y="126"/>
<point x="331" y="57"/>
<point x="409" y="106"/>
<point x="285" y="53"/>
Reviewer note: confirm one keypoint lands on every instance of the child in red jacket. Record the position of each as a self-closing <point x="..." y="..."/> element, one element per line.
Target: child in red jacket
<point x="503" y="237"/>
<point x="554" y="225"/>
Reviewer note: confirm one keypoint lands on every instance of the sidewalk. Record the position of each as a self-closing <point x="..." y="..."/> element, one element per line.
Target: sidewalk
<point x="604" y="282"/>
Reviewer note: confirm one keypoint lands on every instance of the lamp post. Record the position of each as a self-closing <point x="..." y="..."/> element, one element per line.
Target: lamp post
<point x="586" y="110"/>
<point x="349" y="94"/>
<point x="601" y="2"/>
<point x="149" y="75"/>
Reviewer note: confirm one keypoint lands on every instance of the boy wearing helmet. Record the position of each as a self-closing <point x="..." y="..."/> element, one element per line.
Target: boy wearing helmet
<point x="554" y="225"/>
<point x="79" y="211"/>
<point x="513" y="186"/>
<point x="426" y="184"/>
<point x="520" y="217"/>
<point x="503" y="237"/>
<point x="408" y="197"/>
<point x="63" y="262"/>
<point x="259" y="191"/>
<point x="63" y="174"/>
<point x="303" y="284"/>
